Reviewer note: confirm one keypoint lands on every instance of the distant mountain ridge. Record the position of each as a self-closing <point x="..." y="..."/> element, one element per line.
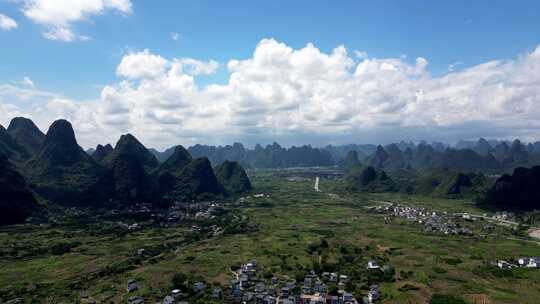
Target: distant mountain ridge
<point x="271" y="156"/>
<point x="489" y="156"/>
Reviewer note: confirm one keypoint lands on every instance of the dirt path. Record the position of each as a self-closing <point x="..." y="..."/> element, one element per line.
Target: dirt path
<point x="522" y="240"/>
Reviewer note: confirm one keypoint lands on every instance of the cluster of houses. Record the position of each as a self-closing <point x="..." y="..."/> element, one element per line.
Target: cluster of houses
<point x="249" y="287"/>
<point x="298" y="179"/>
<point x="174" y="297"/>
<point x="214" y="229"/>
<point x="525" y="262"/>
<point x="433" y="221"/>
<point x="178" y="212"/>
<point x="504" y="215"/>
<point x="192" y="211"/>
<point x="245" y="199"/>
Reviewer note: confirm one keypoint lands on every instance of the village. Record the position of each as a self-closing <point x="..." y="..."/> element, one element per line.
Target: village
<point x="432" y="221"/>
<point x="249" y="286"/>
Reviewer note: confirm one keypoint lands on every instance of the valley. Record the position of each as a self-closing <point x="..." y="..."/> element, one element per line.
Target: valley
<point x="282" y="232"/>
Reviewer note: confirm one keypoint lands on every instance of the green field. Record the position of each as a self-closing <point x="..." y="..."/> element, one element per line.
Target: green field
<point x="290" y="224"/>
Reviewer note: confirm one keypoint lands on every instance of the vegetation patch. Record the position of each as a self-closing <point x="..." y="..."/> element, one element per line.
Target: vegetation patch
<point x="446" y="299"/>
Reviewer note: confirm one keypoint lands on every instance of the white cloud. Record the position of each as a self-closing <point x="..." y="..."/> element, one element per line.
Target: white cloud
<point x="7" y="112"/>
<point x="195" y="67"/>
<point x="60" y="34"/>
<point x="28" y="82"/>
<point x="361" y="54"/>
<point x="141" y="65"/>
<point x="175" y="36"/>
<point x="23" y="93"/>
<point x="301" y="95"/>
<point x="452" y="67"/>
<point x="6" y="23"/>
<point x="59" y="16"/>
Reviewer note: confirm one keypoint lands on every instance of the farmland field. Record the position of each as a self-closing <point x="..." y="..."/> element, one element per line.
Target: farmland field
<point x="288" y="227"/>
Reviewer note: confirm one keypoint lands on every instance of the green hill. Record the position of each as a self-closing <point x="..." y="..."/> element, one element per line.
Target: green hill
<point x="102" y="152"/>
<point x="62" y="171"/>
<point x="197" y="180"/>
<point x="177" y="161"/>
<point x="521" y="190"/>
<point x="11" y="148"/>
<point x="128" y="178"/>
<point x="448" y="183"/>
<point x="350" y="161"/>
<point x="233" y="177"/>
<point x="369" y="179"/>
<point x="26" y="133"/>
<point x="17" y="202"/>
<point x="129" y="145"/>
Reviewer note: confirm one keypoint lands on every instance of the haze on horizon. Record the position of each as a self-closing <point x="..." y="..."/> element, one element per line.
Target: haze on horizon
<point x="295" y="73"/>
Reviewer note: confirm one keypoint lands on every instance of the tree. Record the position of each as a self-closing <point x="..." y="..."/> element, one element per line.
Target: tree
<point x="333" y="290"/>
<point x="180" y="281"/>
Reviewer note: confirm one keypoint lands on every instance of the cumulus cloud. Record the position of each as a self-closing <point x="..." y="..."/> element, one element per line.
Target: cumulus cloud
<point x="6" y="23"/>
<point x="144" y="64"/>
<point x="60" y="15"/>
<point x="141" y="65"/>
<point x="306" y="96"/>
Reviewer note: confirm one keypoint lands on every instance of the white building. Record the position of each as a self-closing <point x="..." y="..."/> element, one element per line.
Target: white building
<point x="373" y="265"/>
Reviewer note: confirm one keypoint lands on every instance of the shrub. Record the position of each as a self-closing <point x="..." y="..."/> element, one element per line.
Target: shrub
<point x="324" y="243"/>
<point x="437" y="269"/>
<point x="179" y="281"/>
<point x="61" y="248"/>
<point x="446" y="299"/>
<point x="408" y="287"/>
<point x="452" y="261"/>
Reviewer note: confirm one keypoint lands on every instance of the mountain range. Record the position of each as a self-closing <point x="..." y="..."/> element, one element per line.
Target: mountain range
<point x="53" y="169"/>
<point x="480" y="156"/>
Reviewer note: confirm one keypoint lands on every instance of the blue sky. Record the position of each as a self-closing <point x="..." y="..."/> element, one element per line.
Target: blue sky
<point x="445" y="32"/>
<point x="462" y="34"/>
